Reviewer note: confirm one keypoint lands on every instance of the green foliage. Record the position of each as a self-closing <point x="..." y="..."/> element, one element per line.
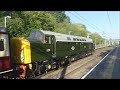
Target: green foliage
<point x="23" y="22"/>
<point x="27" y="21"/>
<point x="60" y="16"/>
<point x="72" y="29"/>
<point x="15" y="27"/>
<point x="39" y="20"/>
<point x="97" y="39"/>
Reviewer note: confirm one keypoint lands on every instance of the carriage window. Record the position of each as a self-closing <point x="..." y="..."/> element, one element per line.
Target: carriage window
<point x="1" y="45"/>
<point x="68" y="38"/>
<point x="74" y="39"/>
<point x="47" y="40"/>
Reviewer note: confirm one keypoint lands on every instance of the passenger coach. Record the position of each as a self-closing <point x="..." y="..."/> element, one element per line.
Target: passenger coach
<point x="5" y="65"/>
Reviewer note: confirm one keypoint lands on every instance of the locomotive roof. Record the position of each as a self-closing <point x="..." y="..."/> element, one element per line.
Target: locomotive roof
<point x="62" y="37"/>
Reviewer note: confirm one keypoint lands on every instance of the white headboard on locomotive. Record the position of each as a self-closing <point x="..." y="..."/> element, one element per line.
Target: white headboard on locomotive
<point x="4" y="50"/>
<point x="39" y="35"/>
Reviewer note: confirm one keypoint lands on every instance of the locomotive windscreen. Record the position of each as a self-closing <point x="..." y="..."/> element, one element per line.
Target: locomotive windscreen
<point x="36" y="35"/>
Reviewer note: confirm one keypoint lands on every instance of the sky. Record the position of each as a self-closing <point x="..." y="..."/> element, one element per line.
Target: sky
<point x="106" y="23"/>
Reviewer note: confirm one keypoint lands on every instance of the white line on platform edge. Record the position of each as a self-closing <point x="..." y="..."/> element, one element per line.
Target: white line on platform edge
<point x="96" y="65"/>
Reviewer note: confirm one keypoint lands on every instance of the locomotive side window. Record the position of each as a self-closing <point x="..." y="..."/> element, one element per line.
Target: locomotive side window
<point x="68" y="38"/>
<point x="74" y="39"/>
<point x="47" y="40"/>
<point x="1" y="45"/>
<point x="77" y="39"/>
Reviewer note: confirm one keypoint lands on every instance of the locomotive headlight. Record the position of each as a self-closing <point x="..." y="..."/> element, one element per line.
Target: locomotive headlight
<point x="22" y="57"/>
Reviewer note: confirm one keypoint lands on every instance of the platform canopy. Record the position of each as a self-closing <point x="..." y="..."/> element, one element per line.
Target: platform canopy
<point x="40" y="34"/>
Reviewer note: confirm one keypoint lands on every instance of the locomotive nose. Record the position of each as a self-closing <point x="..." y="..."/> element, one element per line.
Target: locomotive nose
<point x="20" y="51"/>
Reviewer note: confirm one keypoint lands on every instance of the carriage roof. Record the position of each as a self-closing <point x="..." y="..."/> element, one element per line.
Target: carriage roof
<point x="60" y="37"/>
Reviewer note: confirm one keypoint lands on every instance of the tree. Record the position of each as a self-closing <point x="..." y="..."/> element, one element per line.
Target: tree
<point x="97" y="39"/>
<point x="15" y="27"/>
<point x="23" y="22"/>
<point x="29" y="20"/>
<point x="60" y="16"/>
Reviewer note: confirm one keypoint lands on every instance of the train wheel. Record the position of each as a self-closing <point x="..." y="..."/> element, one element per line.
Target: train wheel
<point x="39" y="69"/>
<point x="70" y="60"/>
<point x="66" y="61"/>
<point x="57" y="65"/>
<point x="43" y="69"/>
<point x="29" y="73"/>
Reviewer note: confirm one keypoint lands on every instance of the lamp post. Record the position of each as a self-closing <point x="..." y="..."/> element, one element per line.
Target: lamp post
<point x="6" y="18"/>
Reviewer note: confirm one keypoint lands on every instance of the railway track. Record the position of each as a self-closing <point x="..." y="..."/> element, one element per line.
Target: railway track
<point x="78" y="68"/>
<point x="88" y="64"/>
<point x="107" y="68"/>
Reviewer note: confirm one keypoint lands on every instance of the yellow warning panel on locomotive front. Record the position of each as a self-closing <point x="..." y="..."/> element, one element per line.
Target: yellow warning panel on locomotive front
<point x="20" y="51"/>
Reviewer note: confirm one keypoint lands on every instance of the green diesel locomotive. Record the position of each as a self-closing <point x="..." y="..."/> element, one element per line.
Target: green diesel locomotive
<point x="45" y="50"/>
